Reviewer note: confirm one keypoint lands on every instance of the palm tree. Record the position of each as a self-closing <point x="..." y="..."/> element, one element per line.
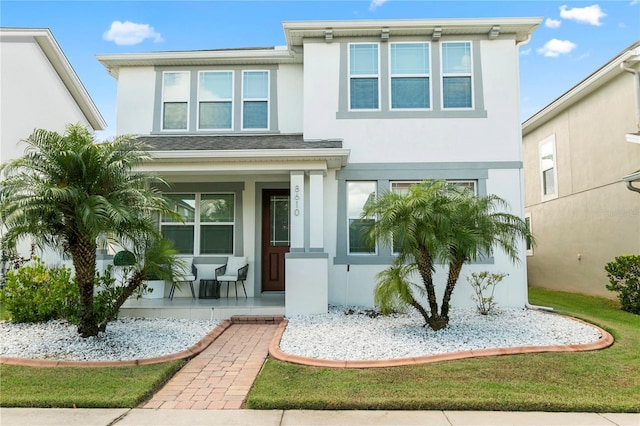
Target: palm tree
<point x="436" y="222"/>
<point x="70" y="193"/>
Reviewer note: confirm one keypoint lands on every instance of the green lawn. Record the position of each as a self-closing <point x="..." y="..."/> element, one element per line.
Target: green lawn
<point x="82" y="387"/>
<point x="599" y="381"/>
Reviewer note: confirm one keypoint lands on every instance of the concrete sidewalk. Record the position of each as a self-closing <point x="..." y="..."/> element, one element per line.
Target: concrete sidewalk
<point x="173" y="417"/>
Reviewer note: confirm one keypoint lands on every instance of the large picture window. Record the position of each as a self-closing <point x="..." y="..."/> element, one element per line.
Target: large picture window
<point x="410" y="87"/>
<point x="209" y="223"/>
<point x="255" y="100"/>
<point x="215" y="100"/>
<point x="359" y="194"/>
<point x="456" y="75"/>
<point x="364" y="78"/>
<point x="175" y="100"/>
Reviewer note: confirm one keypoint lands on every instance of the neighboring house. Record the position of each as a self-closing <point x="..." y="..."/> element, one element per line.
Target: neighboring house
<point x="272" y="152"/>
<point x="38" y="90"/>
<point x="579" y="165"/>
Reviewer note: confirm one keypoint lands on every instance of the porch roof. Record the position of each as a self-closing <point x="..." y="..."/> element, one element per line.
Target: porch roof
<point x="265" y="153"/>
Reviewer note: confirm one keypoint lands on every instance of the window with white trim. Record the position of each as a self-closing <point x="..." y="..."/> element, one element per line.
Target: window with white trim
<point x="527" y="221"/>
<point x="358" y="195"/>
<point x="457" y="78"/>
<point x="410" y="83"/>
<point x="549" y="174"/>
<point x="175" y="100"/>
<point x="255" y="100"/>
<point x="215" y="100"/>
<point x="208" y="227"/>
<point x="364" y="76"/>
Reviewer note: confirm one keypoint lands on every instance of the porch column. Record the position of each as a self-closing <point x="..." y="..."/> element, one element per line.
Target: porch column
<point x="296" y="227"/>
<point x="316" y="210"/>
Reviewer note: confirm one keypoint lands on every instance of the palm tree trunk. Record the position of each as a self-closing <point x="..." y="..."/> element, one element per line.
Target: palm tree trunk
<point x="84" y="261"/>
<point x="425" y="264"/>
<point x="452" y="278"/>
<point x="134" y="282"/>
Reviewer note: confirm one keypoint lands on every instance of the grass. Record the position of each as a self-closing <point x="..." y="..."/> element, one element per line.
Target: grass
<point x="113" y="387"/>
<point x="599" y="381"/>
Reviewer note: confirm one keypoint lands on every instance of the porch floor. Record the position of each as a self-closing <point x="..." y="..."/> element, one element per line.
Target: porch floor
<point x="217" y="309"/>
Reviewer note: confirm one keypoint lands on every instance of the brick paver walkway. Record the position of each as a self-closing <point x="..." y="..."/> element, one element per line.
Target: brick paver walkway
<point x="220" y="376"/>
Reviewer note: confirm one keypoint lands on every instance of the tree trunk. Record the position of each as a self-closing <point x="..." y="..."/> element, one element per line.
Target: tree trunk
<point x="84" y="261"/>
<point x="438" y="322"/>
<point x="452" y="279"/>
<point x="134" y="282"/>
<point x="425" y="264"/>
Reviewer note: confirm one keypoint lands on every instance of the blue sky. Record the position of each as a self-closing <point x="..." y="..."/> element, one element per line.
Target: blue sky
<point x="574" y="40"/>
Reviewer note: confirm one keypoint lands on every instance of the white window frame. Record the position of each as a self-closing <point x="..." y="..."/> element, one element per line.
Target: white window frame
<point x="527" y="220"/>
<point x="197" y="223"/>
<point x="267" y="100"/>
<point x="374" y="252"/>
<point x="165" y="101"/>
<point x="356" y="76"/>
<point x="456" y="74"/>
<point x="201" y="99"/>
<point x="551" y="196"/>
<point x="427" y="76"/>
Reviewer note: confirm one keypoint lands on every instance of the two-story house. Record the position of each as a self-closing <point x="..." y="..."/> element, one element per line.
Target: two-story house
<point x="581" y="156"/>
<point x="271" y="153"/>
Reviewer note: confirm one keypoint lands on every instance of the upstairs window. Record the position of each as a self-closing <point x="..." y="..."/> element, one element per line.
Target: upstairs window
<point x="548" y="168"/>
<point x="456" y="75"/>
<point x="175" y="100"/>
<point x="255" y="100"/>
<point x="215" y="100"/>
<point x="410" y="87"/>
<point x="364" y="77"/>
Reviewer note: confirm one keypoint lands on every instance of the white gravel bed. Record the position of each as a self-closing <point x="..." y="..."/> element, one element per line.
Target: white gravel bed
<point x="358" y="337"/>
<point x="124" y="339"/>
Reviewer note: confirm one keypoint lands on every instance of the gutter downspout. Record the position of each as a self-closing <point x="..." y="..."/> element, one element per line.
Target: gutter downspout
<point x="527" y="304"/>
<point x="636" y="74"/>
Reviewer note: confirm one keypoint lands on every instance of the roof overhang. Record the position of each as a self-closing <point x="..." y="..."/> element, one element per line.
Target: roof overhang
<point x="251" y="161"/>
<point x="251" y="56"/>
<point x="633" y="137"/>
<point x="630" y="57"/>
<point x="519" y="28"/>
<point x="63" y="68"/>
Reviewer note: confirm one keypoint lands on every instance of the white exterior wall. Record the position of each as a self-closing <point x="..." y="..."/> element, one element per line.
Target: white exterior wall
<point x="290" y="88"/>
<point x="33" y="96"/>
<point x="136" y="96"/>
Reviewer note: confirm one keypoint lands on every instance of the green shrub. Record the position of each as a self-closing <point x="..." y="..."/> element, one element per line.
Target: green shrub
<point x="35" y="293"/>
<point x="484" y="284"/>
<point x="624" y="277"/>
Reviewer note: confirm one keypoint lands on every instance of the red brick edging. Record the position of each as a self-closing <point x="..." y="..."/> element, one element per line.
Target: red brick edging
<point x="605" y="341"/>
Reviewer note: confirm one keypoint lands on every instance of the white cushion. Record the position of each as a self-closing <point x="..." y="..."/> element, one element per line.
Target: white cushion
<point x="183" y="272"/>
<point x="234" y="263"/>
<point x="225" y="278"/>
<point x="207" y="271"/>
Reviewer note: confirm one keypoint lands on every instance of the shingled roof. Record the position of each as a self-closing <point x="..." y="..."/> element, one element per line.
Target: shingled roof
<point x="234" y="142"/>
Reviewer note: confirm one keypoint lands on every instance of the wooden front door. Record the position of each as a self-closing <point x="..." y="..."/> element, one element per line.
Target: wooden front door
<point x="275" y="237"/>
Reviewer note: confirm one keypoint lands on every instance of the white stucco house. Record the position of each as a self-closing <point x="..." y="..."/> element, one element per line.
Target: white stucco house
<point x="39" y="89"/>
<point x="271" y="152"/>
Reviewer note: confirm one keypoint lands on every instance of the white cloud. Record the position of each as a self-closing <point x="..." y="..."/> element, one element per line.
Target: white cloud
<point x="634" y="2"/>
<point x="376" y="4"/>
<point x="584" y="15"/>
<point x="554" y="48"/>
<point x="525" y="52"/>
<point x="552" y="23"/>
<point x="128" y="33"/>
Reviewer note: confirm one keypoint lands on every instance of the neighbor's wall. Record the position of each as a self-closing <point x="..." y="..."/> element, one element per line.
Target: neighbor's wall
<point x="595" y="217"/>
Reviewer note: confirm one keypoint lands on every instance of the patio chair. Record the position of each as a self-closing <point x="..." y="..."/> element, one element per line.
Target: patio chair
<point x="188" y="274"/>
<point x="235" y="271"/>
